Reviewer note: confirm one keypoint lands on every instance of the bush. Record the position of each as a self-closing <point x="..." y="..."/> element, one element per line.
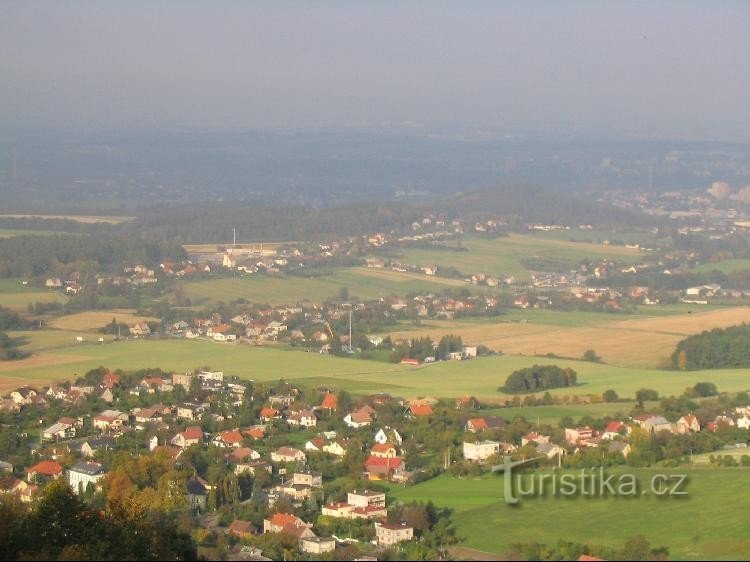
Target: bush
<point x="538" y="377"/>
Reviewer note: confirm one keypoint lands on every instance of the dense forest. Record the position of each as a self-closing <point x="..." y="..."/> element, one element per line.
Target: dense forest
<point x="538" y="377"/>
<point x="34" y="255"/>
<point x="721" y="347"/>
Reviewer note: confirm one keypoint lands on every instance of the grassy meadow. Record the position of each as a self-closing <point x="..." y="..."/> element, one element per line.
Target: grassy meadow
<point x="707" y="524"/>
<point x="289" y="289"/>
<point x="60" y="357"/>
<point x="16" y="296"/>
<point x="503" y="256"/>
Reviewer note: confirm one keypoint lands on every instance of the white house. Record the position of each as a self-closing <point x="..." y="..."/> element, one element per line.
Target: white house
<point x="481" y="450"/>
<point x="84" y="473"/>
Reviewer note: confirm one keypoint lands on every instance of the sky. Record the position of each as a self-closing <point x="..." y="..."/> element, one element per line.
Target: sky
<point x="623" y="69"/>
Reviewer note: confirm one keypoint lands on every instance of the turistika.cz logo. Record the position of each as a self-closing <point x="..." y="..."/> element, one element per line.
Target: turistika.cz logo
<point x="589" y="482"/>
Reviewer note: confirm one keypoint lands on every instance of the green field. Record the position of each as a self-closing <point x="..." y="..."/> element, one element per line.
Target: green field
<point x="707" y="524"/>
<point x="17" y="296"/>
<point x="287" y="289"/>
<point x="725" y="266"/>
<point x="62" y="358"/>
<point x="552" y="414"/>
<point x="502" y="256"/>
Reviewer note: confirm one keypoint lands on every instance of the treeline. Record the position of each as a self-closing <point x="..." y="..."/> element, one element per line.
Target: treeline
<point x="9" y="348"/>
<point x="533" y="203"/>
<point x="720" y="347"/>
<point x="62" y="527"/>
<point x="423" y="348"/>
<point x="213" y="222"/>
<point x="538" y="377"/>
<point x="33" y="255"/>
<point x="55" y="225"/>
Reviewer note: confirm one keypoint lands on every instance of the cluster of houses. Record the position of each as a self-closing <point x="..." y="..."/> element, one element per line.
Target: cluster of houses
<point x="83" y="438"/>
<point x="614" y="436"/>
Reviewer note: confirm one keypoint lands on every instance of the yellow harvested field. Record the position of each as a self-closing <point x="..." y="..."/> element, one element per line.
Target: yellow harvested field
<point x="93" y="320"/>
<point x="86" y="219"/>
<point x="642" y="342"/>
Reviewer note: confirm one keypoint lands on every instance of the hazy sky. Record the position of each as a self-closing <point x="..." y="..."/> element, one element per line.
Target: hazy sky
<point x="669" y="69"/>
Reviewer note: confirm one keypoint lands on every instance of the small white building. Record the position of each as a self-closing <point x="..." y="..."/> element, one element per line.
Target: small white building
<point x="481" y="450"/>
<point x="85" y="473"/>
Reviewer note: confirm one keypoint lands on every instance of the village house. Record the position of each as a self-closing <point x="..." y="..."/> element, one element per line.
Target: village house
<point x="228" y="439"/>
<point x="688" y="423"/>
<point x="336" y="448"/>
<point x="302" y="418"/>
<point x="64" y="428"/>
<point x="316" y="545"/>
<point x="481" y="450"/>
<point x="23" y="396"/>
<point x="84" y="473"/>
<point x="191" y="436"/>
<point x="615" y="429"/>
<point x="389" y="534"/>
<point x="44" y="469"/>
<point x="90" y="447"/>
<point x="286" y="523"/>
<point x="288" y="454"/>
<point x="384" y="469"/>
<point x="250" y="467"/>
<point x="388" y="435"/>
<point x="110" y="419"/>
<point x="620" y="447"/>
<point x="360" y="417"/>
<point x="191" y="410"/>
<point x="578" y="435"/>
<point x="311" y="479"/>
<point x="185" y="380"/>
<point x="242" y="529"/>
<point x="267" y="414"/>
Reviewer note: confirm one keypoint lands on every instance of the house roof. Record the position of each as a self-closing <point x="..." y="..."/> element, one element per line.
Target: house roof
<point x="241" y="527"/>
<point x="241" y="453"/>
<point x="47" y="468"/>
<point x="384" y="448"/>
<point x="377" y="463"/>
<point x="89" y="468"/>
<point x="613" y="427"/>
<point x="478" y="423"/>
<point x="231" y="436"/>
<point x="284" y="519"/>
<point x="288" y="452"/>
<point x="330" y="402"/>
<point x="268" y="412"/>
<point x="254" y="432"/>
<point x="421" y="410"/>
<point x="192" y="432"/>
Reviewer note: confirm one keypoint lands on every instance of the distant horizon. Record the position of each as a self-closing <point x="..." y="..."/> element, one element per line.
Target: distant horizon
<point x="667" y="70"/>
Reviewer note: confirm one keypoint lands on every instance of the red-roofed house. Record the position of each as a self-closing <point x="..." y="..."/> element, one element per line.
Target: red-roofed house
<point x="255" y="433"/>
<point x="242" y="529"/>
<point x="191" y="436"/>
<point x="46" y="469"/>
<point x="228" y="439"/>
<point x="268" y="413"/>
<point x="476" y="424"/>
<point x="330" y="403"/>
<point x="360" y="417"/>
<point x="110" y="380"/>
<point x="383" y="469"/>
<point x="420" y="410"/>
<point x="688" y="423"/>
<point x="284" y="523"/>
